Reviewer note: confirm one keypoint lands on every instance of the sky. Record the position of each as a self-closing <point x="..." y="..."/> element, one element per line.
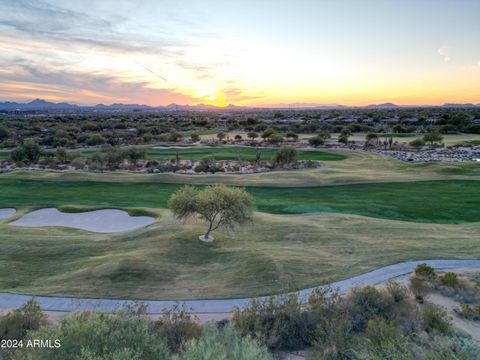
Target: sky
<point x="244" y="52"/>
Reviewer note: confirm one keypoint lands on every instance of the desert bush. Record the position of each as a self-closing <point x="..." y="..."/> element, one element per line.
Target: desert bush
<point x="334" y="335"/>
<point x="278" y="322"/>
<point x="417" y="143"/>
<point x="424" y="271"/>
<point x="201" y="168"/>
<point x="176" y="326"/>
<point x="452" y="347"/>
<point x="449" y="279"/>
<point x="28" y="152"/>
<point x="366" y="303"/>
<point x="286" y="155"/>
<point x="419" y="287"/>
<point x="316" y="141"/>
<point x="468" y="311"/>
<point x="224" y="344"/>
<point x="16" y="323"/>
<point x="78" y="163"/>
<point x="117" y="336"/>
<point x="384" y="341"/>
<point x="397" y="292"/>
<point x="435" y="319"/>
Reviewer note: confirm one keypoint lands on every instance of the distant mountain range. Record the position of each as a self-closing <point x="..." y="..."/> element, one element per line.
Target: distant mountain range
<point x="42" y="105"/>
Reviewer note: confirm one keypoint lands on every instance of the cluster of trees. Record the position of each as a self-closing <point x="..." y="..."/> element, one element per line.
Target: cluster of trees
<point x="109" y="157"/>
<point x="127" y="334"/>
<point x="74" y="130"/>
<point x="367" y="323"/>
<point x="112" y="157"/>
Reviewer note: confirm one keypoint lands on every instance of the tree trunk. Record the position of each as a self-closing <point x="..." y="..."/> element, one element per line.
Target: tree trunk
<point x="207" y="235"/>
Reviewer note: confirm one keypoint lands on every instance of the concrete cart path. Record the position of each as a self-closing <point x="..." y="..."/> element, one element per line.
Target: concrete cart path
<point x="68" y="304"/>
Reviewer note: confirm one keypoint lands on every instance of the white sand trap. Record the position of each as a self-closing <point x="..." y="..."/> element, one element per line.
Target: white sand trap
<point x="172" y="147"/>
<point x="102" y="221"/>
<point x="6" y="213"/>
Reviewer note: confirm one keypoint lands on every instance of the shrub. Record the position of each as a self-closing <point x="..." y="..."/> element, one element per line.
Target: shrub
<point x="396" y="291"/>
<point x="452" y="347"/>
<point x="383" y="341"/>
<point x="365" y="304"/>
<point x="176" y="326"/>
<point x="286" y="155"/>
<point x="201" y="168"/>
<point x="435" y="319"/>
<point x="226" y="343"/>
<point x="467" y="311"/>
<point x="449" y="279"/>
<point x="93" y="336"/>
<point x="424" y="271"/>
<point x="4" y="134"/>
<point x="278" y="322"/>
<point x="275" y="138"/>
<point x="16" y="323"/>
<point x="316" y="141"/>
<point x="334" y="337"/>
<point x="417" y="143"/>
<point x="29" y="151"/>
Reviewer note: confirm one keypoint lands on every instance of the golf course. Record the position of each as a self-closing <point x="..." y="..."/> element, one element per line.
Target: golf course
<point x="358" y="212"/>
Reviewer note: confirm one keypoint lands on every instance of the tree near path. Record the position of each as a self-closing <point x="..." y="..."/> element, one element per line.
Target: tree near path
<point x="217" y="205"/>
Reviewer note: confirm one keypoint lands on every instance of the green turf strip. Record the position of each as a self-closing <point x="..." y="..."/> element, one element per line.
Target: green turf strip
<point x="228" y="153"/>
<point x="451" y="201"/>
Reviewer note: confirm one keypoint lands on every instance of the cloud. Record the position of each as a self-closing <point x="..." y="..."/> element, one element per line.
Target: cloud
<point x="444" y="52"/>
<point x="60" y="26"/>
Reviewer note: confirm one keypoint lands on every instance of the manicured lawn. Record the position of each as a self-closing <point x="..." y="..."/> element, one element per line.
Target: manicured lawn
<point x="451" y="201"/>
<point x="229" y="153"/>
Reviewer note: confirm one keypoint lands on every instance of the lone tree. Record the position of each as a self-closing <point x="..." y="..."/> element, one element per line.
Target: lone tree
<point x="369" y="138"/>
<point x="218" y="205"/>
<point x="252" y="135"/>
<point x="432" y="137"/>
<point x="344" y="135"/>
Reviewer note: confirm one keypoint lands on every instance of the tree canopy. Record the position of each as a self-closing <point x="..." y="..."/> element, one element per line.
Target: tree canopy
<point x="218" y="205"/>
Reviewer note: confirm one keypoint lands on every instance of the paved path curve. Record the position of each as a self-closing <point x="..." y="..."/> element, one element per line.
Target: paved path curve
<point x="375" y="277"/>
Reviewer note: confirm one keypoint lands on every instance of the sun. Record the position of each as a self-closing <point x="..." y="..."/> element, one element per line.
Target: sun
<point x="211" y="96"/>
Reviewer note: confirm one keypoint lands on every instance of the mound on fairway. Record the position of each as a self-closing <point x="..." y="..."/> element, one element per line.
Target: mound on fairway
<point x="6" y="213"/>
<point x="101" y="221"/>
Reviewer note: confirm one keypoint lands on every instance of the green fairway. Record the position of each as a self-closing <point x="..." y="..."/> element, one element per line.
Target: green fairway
<point x="450" y="201"/>
<point x="167" y="261"/>
<point x="228" y="153"/>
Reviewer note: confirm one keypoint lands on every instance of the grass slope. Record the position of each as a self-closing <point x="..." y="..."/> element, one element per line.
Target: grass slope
<point x="359" y="167"/>
<point x="166" y="260"/>
<point x="452" y="201"/>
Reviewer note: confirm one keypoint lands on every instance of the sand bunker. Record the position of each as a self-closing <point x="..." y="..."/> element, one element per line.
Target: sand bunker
<point x="6" y="213"/>
<point x="172" y="147"/>
<point x="102" y="221"/>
